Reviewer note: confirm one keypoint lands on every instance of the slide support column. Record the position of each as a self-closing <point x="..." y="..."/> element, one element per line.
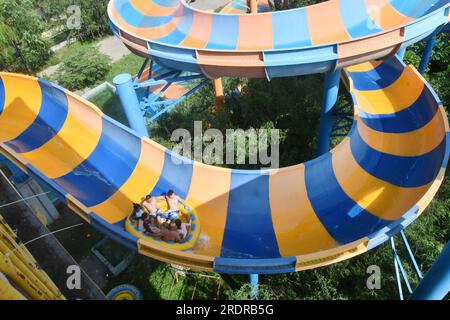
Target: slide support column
<point x="427" y="54"/>
<point x="401" y="53"/>
<point x="436" y="284"/>
<point x="253" y="6"/>
<point x="330" y="96"/>
<point x="254" y="285"/>
<point x="130" y="103"/>
<point x="218" y="91"/>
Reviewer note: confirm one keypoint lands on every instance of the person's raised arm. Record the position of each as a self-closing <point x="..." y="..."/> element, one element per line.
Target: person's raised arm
<point x="183" y="203"/>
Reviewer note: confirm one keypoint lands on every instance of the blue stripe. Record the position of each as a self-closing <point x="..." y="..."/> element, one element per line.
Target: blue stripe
<point x="356" y="19"/>
<point x="447" y="150"/>
<point x="302" y="61"/>
<point x="255" y="266"/>
<point x="166" y="3"/>
<point x="412" y="118"/>
<point x="249" y="229"/>
<point x="379" y="78"/>
<point x="239" y="6"/>
<point x="113" y="28"/>
<point x="379" y="237"/>
<point x="137" y="19"/>
<point x="406" y="172"/>
<point x="343" y="218"/>
<point x="290" y="29"/>
<point x="224" y="33"/>
<point x="176" y="175"/>
<point x="417" y="8"/>
<point x="2" y="95"/>
<point x="106" y="169"/>
<point x="50" y="119"/>
<point x="181" y="31"/>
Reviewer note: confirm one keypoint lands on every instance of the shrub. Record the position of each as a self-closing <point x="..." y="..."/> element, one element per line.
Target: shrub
<point x="22" y="48"/>
<point x="82" y="67"/>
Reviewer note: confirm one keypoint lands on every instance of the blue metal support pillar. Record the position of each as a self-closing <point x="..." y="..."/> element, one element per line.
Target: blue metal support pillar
<point x="330" y="96"/>
<point x="400" y="270"/>
<point x="401" y="53"/>
<point x="436" y="284"/>
<point x="411" y="256"/>
<point x="427" y="53"/>
<point x="130" y="103"/>
<point x="254" y="281"/>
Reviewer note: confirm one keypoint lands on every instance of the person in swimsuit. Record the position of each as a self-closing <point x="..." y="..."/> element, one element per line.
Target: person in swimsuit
<point x="182" y="228"/>
<point x="169" y="232"/>
<point x="151" y="228"/>
<point x="138" y="216"/>
<point x="137" y="212"/>
<point x="173" y="203"/>
<point x="150" y="204"/>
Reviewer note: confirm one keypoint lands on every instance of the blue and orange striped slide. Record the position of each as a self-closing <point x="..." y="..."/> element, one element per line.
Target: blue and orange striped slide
<point x="377" y="181"/>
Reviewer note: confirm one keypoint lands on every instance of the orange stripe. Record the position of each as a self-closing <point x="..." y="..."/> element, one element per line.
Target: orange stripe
<point x="297" y="227"/>
<point x="380" y="198"/>
<point x="139" y="184"/>
<point x="149" y="8"/>
<point x="365" y="67"/>
<point x="145" y="33"/>
<point x="384" y="15"/>
<point x="73" y="144"/>
<point x="208" y="195"/>
<point x="255" y="32"/>
<point x="325" y="23"/>
<point x="173" y="92"/>
<point x="200" y="31"/>
<point x="410" y="144"/>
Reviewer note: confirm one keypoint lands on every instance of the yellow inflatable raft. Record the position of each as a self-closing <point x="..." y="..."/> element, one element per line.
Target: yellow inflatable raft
<point x="185" y="216"/>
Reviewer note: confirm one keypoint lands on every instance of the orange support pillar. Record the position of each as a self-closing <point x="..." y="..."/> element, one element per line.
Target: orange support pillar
<point x="219" y="92"/>
<point x="253" y="6"/>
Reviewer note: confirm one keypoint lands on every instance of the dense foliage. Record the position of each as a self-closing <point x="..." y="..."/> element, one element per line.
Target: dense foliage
<point x="82" y="67"/>
<point x="28" y="28"/>
<point x="293" y="105"/>
<point x="94" y="18"/>
<point x="289" y="104"/>
<point x="22" y="47"/>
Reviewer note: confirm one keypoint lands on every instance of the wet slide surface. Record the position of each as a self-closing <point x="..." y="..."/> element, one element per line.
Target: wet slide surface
<point x="376" y="182"/>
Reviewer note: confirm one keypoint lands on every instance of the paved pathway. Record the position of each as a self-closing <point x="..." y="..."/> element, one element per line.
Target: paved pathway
<point x="111" y="46"/>
<point x="116" y="50"/>
<point x="208" y="4"/>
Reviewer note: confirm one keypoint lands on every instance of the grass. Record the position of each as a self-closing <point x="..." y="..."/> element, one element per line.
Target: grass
<point x="128" y="64"/>
<point x="157" y="281"/>
<point x="53" y="61"/>
<point x="59" y="55"/>
<point x="110" y="104"/>
<point x="64" y="51"/>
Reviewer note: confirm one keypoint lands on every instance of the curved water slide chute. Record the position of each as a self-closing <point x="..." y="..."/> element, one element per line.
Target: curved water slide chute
<point x="273" y="44"/>
<point x="372" y="185"/>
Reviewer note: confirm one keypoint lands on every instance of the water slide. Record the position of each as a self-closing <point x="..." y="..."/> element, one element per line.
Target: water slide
<point x="377" y="181"/>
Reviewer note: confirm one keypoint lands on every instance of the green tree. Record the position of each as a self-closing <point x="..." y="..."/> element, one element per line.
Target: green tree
<point x="28" y="48"/>
<point x="83" y="67"/>
<point x="7" y="39"/>
<point x="94" y="19"/>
